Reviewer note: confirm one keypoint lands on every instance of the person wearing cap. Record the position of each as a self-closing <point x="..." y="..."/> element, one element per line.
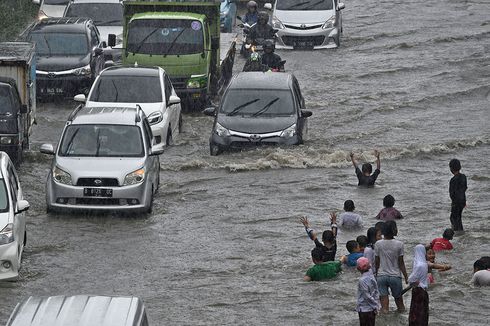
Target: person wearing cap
<point x="271" y="59"/>
<point x="251" y="15"/>
<point x="367" y="294"/>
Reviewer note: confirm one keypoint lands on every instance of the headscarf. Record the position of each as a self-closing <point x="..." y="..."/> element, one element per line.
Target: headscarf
<point x="420" y="267"/>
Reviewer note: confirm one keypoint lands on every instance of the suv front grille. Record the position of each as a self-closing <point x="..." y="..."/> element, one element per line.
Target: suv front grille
<point x="303" y="40"/>
<point x="98" y="182"/>
<point x="303" y="28"/>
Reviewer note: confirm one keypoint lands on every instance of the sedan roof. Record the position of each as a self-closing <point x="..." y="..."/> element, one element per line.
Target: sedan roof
<point x="107" y="115"/>
<point x="131" y="71"/>
<point x="262" y="80"/>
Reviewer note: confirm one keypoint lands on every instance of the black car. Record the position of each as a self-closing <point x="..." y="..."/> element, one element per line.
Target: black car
<point x="259" y="108"/>
<point x="69" y="55"/>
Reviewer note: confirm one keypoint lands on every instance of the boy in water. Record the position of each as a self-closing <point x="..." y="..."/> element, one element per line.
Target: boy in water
<point x="365" y="177"/>
<point x="321" y="270"/>
<point x="481" y="270"/>
<point x="329" y="246"/>
<point x="443" y="243"/>
<point x="354" y="253"/>
<point x="457" y="192"/>
<point x="367" y="294"/>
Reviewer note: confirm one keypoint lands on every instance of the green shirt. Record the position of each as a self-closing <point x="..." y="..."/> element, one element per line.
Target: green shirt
<point x="324" y="270"/>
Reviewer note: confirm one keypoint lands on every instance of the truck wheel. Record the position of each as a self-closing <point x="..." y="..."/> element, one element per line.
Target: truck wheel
<point x="214" y="149"/>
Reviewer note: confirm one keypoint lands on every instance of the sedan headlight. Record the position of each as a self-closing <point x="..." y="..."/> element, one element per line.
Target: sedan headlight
<point x="83" y="71"/>
<point x="155" y="117"/>
<point x="221" y="131"/>
<point x="330" y="23"/>
<point x="289" y="132"/>
<point x="276" y="23"/>
<point x="61" y="176"/>
<point x="7" y="234"/>
<point x="135" y="177"/>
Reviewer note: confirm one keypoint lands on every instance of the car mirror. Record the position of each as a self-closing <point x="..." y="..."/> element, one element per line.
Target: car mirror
<point x="268" y="6"/>
<point x="47" y="149"/>
<point x="36" y="2"/>
<point x="210" y="111"/>
<point x="98" y="51"/>
<point x="103" y="44"/>
<point x="23" y="109"/>
<point x="173" y="100"/>
<point x="111" y="40"/>
<point x="22" y="206"/>
<point x="341" y="6"/>
<point x="306" y="114"/>
<point x="156" y="150"/>
<point x="80" y="98"/>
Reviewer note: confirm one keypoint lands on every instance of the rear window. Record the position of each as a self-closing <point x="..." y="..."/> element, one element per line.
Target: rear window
<point x="127" y="89"/>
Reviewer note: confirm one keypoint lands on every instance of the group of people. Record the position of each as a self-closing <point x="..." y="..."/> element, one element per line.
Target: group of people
<point x="379" y="257"/>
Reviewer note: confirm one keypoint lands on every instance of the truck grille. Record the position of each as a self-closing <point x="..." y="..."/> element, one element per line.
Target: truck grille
<point x="179" y="82"/>
<point x="303" y="41"/>
<point x="97" y="182"/>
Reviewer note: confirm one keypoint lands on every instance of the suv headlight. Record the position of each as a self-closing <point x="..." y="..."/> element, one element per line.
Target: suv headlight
<point x="276" y="23"/>
<point x="135" y="177"/>
<point x="83" y="71"/>
<point x="7" y="234"/>
<point x="289" y="132"/>
<point x="61" y="176"/>
<point x="221" y="131"/>
<point x="330" y="23"/>
<point x="155" y="117"/>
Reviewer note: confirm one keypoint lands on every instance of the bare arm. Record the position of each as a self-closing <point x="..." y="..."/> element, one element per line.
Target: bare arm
<point x="333" y="223"/>
<point x="311" y="233"/>
<point x="353" y="160"/>
<point x="378" y="161"/>
<point x="441" y="267"/>
<point x="306" y="278"/>
<point x="376" y="263"/>
<point x="401" y="264"/>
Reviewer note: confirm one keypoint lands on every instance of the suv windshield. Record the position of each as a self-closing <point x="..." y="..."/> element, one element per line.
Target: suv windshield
<point x="165" y="36"/>
<point x="56" y="2"/>
<point x="4" y="201"/>
<point x="255" y="102"/>
<point x="127" y="89"/>
<point x="304" y="4"/>
<point x="6" y="105"/>
<point x="102" y="141"/>
<point x="48" y="44"/>
<point x="103" y="14"/>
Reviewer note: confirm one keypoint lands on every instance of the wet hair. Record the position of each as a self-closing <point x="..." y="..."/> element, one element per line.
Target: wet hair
<point x="454" y="165"/>
<point x="448" y="234"/>
<point x="371" y="235"/>
<point x="389" y="201"/>
<point x="479" y="265"/>
<point x="317" y="254"/>
<point x="327" y="236"/>
<point x="351" y="245"/>
<point x="390" y="229"/>
<point x="486" y="261"/>
<point x="380" y="226"/>
<point x="367" y="168"/>
<point x="349" y="206"/>
<point x="362" y="240"/>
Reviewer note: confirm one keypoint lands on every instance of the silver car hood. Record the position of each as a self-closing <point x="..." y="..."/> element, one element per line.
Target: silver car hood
<point x="148" y="108"/>
<point x="106" y="30"/>
<point x="99" y="167"/>
<point x="53" y="10"/>
<point x="303" y="16"/>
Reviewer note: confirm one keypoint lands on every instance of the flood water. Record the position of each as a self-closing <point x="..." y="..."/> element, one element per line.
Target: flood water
<point x="224" y="244"/>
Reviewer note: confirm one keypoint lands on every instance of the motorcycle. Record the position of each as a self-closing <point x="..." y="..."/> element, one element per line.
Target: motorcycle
<point x="246" y="27"/>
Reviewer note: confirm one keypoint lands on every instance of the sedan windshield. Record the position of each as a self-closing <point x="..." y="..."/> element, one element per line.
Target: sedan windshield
<point x="127" y="89"/>
<point x="56" y="2"/>
<point x="255" y="102"/>
<point x="103" y="14"/>
<point x="4" y="201"/>
<point x="48" y="44"/>
<point x="165" y="36"/>
<point x="102" y="141"/>
<point x="304" y="4"/>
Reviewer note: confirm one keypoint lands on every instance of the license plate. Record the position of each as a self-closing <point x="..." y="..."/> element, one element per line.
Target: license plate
<point x="56" y="90"/>
<point x="303" y="44"/>
<point x="97" y="192"/>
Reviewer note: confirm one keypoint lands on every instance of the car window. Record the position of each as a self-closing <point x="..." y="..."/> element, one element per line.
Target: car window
<point x="14" y="180"/>
<point x="48" y="44"/>
<point x="168" y="88"/>
<point x="6" y="101"/>
<point x="102" y="141"/>
<point x="4" y="202"/>
<point x="304" y="5"/>
<point x="127" y="89"/>
<point x="103" y="14"/>
<point x="94" y="37"/>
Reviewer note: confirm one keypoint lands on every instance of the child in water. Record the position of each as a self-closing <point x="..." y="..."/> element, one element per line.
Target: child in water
<point x="431" y="262"/>
<point x="389" y="213"/>
<point x="443" y="243"/>
<point x="457" y="192"/>
<point x="321" y="270"/>
<point x="365" y="177"/>
<point x="354" y="253"/>
<point x="349" y="219"/>
<point x="367" y="294"/>
<point x="329" y="246"/>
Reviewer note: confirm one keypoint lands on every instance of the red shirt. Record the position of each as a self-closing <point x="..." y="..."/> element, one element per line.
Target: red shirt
<point x="441" y="244"/>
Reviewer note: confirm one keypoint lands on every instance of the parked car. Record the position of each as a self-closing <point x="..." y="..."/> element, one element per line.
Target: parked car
<point x="227" y="15"/>
<point x="13" y="235"/>
<point x="106" y="14"/>
<point x="51" y="8"/>
<point x="259" y="108"/>
<point x="69" y="55"/>
<point x="104" y="161"/>
<point x="308" y="24"/>
<point x="79" y="310"/>
<point x="150" y="88"/>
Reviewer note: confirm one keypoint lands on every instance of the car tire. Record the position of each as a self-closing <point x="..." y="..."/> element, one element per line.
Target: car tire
<point x="214" y="149"/>
<point x="337" y="40"/>
<point x="149" y="209"/>
<point x="169" y="140"/>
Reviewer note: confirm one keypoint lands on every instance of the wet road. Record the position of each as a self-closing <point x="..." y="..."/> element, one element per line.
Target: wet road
<point x="224" y="244"/>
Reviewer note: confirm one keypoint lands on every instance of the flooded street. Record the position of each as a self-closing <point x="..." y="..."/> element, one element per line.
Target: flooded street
<point x="224" y="244"/>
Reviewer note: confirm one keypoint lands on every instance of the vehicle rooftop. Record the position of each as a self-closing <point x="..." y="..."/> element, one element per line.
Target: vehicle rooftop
<point x="131" y="71"/>
<point x="262" y="80"/>
<point x="78" y="310"/>
<point x="63" y="24"/>
<point x="96" y="1"/>
<point x="105" y="115"/>
<point x="169" y="15"/>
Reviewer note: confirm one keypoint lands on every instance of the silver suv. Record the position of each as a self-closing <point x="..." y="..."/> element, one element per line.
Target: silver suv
<point x="104" y="161"/>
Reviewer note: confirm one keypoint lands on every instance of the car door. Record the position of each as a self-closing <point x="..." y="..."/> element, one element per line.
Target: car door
<point x="175" y="109"/>
<point x="16" y="195"/>
<point x="153" y="161"/>
<point x="97" y="59"/>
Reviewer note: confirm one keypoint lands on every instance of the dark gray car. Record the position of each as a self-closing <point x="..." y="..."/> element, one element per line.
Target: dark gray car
<point x="259" y="108"/>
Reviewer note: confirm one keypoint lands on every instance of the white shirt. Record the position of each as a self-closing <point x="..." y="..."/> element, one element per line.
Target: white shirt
<point x="350" y="220"/>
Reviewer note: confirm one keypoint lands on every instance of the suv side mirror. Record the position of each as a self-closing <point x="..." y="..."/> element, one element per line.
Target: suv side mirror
<point x="111" y="40"/>
<point x="156" y="150"/>
<point x="22" y="206"/>
<point x="36" y="2"/>
<point x="23" y="109"/>
<point x="341" y="6"/>
<point x="210" y="111"/>
<point x="268" y="6"/>
<point x="306" y="114"/>
<point x="173" y="100"/>
<point x="80" y="98"/>
<point x="47" y="149"/>
<point x="103" y="44"/>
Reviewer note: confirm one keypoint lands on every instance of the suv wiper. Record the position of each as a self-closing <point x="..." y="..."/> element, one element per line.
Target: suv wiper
<point x="174" y="41"/>
<point x="70" y="142"/>
<point x="298" y="4"/>
<point x="238" y="108"/>
<point x="266" y="107"/>
<point x="47" y="44"/>
<point x="115" y="88"/>
<point x="314" y="4"/>
<point x="140" y="44"/>
<point x="98" y="143"/>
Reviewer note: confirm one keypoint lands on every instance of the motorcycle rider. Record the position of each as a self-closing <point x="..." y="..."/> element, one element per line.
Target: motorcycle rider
<point x="261" y="30"/>
<point x="251" y="15"/>
<point x="254" y="63"/>
<point x="269" y="58"/>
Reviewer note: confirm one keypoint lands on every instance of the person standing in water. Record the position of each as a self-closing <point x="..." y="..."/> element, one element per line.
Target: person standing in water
<point x="365" y="178"/>
<point x="457" y="193"/>
<point x="419" y="306"/>
<point x="367" y="294"/>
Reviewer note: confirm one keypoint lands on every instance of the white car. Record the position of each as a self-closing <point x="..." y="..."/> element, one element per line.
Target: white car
<point x="51" y="8"/>
<point x="12" y="220"/>
<point x="148" y="87"/>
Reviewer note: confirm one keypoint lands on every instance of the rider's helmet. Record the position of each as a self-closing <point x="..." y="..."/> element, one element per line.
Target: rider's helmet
<point x="262" y="18"/>
<point x="254" y="57"/>
<point x="252" y="4"/>
<point x="268" y="46"/>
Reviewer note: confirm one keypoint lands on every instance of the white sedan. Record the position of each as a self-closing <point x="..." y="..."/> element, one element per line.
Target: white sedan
<point x="148" y="87"/>
<point x="12" y="220"/>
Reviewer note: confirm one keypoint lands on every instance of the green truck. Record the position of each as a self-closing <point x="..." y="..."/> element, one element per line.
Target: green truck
<point x="182" y="37"/>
